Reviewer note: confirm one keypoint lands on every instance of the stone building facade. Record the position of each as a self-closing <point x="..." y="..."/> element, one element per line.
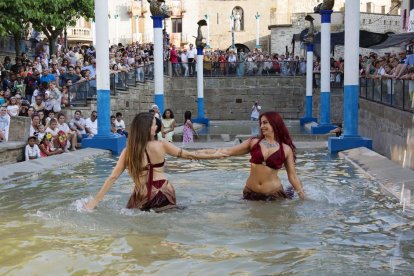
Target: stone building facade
<point x="281" y="35"/>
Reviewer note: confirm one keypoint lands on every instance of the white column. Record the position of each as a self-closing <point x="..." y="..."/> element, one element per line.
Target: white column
<point x="158" y="62"/>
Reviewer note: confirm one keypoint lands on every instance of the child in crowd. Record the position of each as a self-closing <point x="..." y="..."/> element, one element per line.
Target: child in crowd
<point x="13" y="108"/>
<point x="188" y="128"/>
<point x="46" y="146"/>
<point x="41" y="133"/>
<point x="120" y="125"/>
<point x="49" y="117"/>
<point x="71" y="135"/>
<point x="32" y="151"/>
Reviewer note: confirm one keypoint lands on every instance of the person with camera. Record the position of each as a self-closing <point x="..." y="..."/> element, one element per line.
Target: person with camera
<point x="255" y="111"/>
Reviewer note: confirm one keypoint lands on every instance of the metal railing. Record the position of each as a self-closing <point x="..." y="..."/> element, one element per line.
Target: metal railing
<point x="81" y="92"/>
<point x="336" y="79"/>
<point x="241" y="69"/>
<point x="391" y="92"/>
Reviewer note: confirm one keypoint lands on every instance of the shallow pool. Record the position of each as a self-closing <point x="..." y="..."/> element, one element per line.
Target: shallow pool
<point x="246" y="128"/>
<point x="346" y="227"/>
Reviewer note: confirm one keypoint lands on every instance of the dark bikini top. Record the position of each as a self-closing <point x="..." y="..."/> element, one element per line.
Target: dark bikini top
<point x="274" y="161"/>
<point x="150" y="167"/>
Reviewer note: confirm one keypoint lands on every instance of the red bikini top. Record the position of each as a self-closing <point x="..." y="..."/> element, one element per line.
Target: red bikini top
<point x="274" y="161"/>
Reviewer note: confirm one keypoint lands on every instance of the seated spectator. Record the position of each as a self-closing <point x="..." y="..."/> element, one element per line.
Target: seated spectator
<point x="4" y="124"/>
<point x="71" y="135"/>
<point x="65" y="96"/>
<point x="34" y="127"/>
<point x="49" y="117"/>
<point x="40" y="133"/>
<point x="113" y="127"/>
<point x="47" y="148"/>
<point x="38" y="103"/>
<point x="52" y="98"/>
<point x="30" y="111"/>
<point x="92" y="124"/>
<point x="42" y="117"/>
<point x="24" y="108"/>
<point x="31" y="151"/>
<point x="78" y="124"/>
<point x="120" y="125"/>
<point x="2" y="99"/>
<point x="13" y="108"/>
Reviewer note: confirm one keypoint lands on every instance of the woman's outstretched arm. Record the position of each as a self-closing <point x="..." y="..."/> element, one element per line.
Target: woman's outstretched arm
<point x="116" y="172"/>
<point x="197" y="154"/>
<point x="291" y="172"/>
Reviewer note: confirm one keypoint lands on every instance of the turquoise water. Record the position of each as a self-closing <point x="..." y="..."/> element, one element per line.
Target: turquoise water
<point x="345" y="227"/>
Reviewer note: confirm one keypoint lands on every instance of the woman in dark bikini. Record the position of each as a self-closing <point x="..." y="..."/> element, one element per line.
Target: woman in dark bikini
<point x="269" y="153"/>
<point x="144" y="158"/>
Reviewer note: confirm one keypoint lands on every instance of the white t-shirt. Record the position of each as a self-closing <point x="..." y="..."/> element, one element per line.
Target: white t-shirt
<point x="13" y="110"/>
<point x="92" y="126"/>
<point x="119" y="124"/>
<point x="54" y="132"/>
<point x="32" y="152"/>
<point x="64" y="127"/>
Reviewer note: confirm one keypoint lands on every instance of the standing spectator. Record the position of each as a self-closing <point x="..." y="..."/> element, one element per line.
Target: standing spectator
<point x="188" y="128"/>
<point x="4" y="124"/>
<point x="184" y="62"/>
<point x="31" y="151"/>
<point x="48" y="77"/>
<point x="192" y="53"/>
<point x="174" y="61"/>
<point x="120" y="125"/>
<point x="255" y="111"/>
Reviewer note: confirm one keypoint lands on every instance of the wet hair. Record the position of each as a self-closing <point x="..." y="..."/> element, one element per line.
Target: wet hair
<point x="187" y="116"/>
<point x="165" y="113"/>
<point x="138" y="138"/>
<point x="279" y="128"/>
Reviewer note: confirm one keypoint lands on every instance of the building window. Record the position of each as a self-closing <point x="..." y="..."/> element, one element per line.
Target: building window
<point x="369" y="7"/>
<point x="177" y="25"/>
<point x="383" y="9"/>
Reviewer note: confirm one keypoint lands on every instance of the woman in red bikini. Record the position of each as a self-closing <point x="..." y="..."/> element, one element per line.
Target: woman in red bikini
<point x="144" y="158"/>
<point x="272" y="150"/>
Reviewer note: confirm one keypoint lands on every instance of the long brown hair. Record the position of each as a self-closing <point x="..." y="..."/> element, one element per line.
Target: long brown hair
<point x="280" y="130"/>
<point x="138" y="138"/>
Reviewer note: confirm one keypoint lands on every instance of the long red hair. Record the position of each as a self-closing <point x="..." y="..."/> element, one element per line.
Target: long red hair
<point x="279" y="129"/>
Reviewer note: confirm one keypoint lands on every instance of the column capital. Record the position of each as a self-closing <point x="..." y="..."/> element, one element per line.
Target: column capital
<point x="326" y="16"/>
<point x="157" y="20"/>
<point x="200" y="51"/>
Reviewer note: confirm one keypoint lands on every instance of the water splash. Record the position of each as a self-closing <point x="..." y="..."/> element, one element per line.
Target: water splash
<point x="79" y="204"/>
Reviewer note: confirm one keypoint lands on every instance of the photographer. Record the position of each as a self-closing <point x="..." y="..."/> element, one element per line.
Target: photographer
<point x="255" y="111"/>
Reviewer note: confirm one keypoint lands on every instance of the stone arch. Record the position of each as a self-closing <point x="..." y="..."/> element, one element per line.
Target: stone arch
<point x="238" y="14"/>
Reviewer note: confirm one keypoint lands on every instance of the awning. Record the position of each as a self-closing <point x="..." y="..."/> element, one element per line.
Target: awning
<point x="395" y="40"/>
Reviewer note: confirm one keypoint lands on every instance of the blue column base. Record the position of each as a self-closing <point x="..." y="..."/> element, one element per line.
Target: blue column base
<point x="203" y="121"/>
<point x="336" y="144"/>
<point x="322" y="128"/>
<point x="114" y="142"/>
<point x="305" y="120"/>
<point x="159" y="100"/>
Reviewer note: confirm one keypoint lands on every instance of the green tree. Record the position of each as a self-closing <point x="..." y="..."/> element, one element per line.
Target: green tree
<point x="49" y="16"/>
<point x="14" y="19"/>
<point x="53" y="16"/>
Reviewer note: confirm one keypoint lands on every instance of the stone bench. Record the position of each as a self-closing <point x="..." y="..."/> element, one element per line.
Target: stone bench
<point x="12" y="151"/>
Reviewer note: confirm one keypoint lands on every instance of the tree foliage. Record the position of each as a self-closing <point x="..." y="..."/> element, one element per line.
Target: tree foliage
<point x="49" y="16"/>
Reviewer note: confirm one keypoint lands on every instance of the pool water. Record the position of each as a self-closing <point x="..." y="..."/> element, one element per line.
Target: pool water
<point x="246" y="128"/>
<point x="345" y="227"/>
